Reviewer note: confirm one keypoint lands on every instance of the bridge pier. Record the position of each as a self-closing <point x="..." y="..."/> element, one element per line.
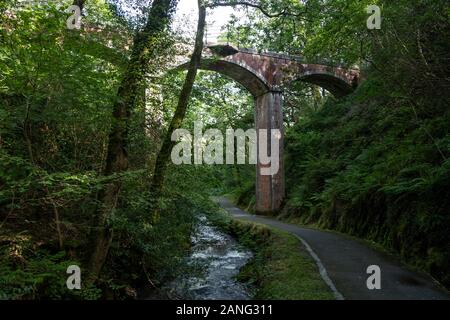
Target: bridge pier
<point x="270" y="190"/>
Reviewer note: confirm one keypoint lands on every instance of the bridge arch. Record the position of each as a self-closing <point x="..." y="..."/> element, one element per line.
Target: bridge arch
<point x="249" y="79"/>
<point x="336" y="86"/>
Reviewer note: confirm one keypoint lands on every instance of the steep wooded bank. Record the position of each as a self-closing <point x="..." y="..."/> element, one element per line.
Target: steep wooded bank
<point x="376" y="164"/>
<point x="370" y="168"/>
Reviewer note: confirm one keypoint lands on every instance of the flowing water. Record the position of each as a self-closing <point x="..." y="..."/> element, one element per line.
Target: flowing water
<point x="220" y="258"/>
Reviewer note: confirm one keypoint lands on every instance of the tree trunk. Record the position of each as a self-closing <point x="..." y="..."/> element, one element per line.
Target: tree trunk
<point x="127" y="97"/>
<point x="79" y="3"/>
<point x="180" y="113"/>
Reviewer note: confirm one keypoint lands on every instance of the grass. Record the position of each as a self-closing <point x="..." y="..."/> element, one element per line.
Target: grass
<point x="281" y="268"/>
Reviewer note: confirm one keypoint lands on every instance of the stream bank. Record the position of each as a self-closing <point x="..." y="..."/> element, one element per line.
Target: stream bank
<point x="218" y="259"/>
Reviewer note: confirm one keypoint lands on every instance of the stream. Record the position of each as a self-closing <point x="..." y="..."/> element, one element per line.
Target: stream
<point x="220" y="258"/>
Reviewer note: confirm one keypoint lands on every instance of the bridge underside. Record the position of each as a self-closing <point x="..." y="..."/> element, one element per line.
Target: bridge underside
<point x="255" y="85"/>
<point x="337" y="87"/>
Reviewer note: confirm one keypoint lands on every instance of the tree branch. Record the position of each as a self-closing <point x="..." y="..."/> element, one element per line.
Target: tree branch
<point x="264" y="11"/>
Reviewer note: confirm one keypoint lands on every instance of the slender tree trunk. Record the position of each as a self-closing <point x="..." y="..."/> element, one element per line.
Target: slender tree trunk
<point x="127" y="97"/>
<point x="180" y="113"/>
<point x="57" y="220"/>
<point x="27" y="131"/>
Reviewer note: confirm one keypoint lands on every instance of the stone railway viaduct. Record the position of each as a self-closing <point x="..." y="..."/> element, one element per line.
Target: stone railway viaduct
<point x="265" y="75"/>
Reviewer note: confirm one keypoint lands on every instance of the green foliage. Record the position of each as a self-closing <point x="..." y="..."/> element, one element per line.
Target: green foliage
<point x="147" y="251"/>
<point x="57" y="89"/>
<point x="26" y="273"/>
<point x="19" y="180"/>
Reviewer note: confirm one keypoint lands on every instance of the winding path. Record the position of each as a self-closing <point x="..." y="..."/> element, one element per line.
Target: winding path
<point x="343" y="262"/>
